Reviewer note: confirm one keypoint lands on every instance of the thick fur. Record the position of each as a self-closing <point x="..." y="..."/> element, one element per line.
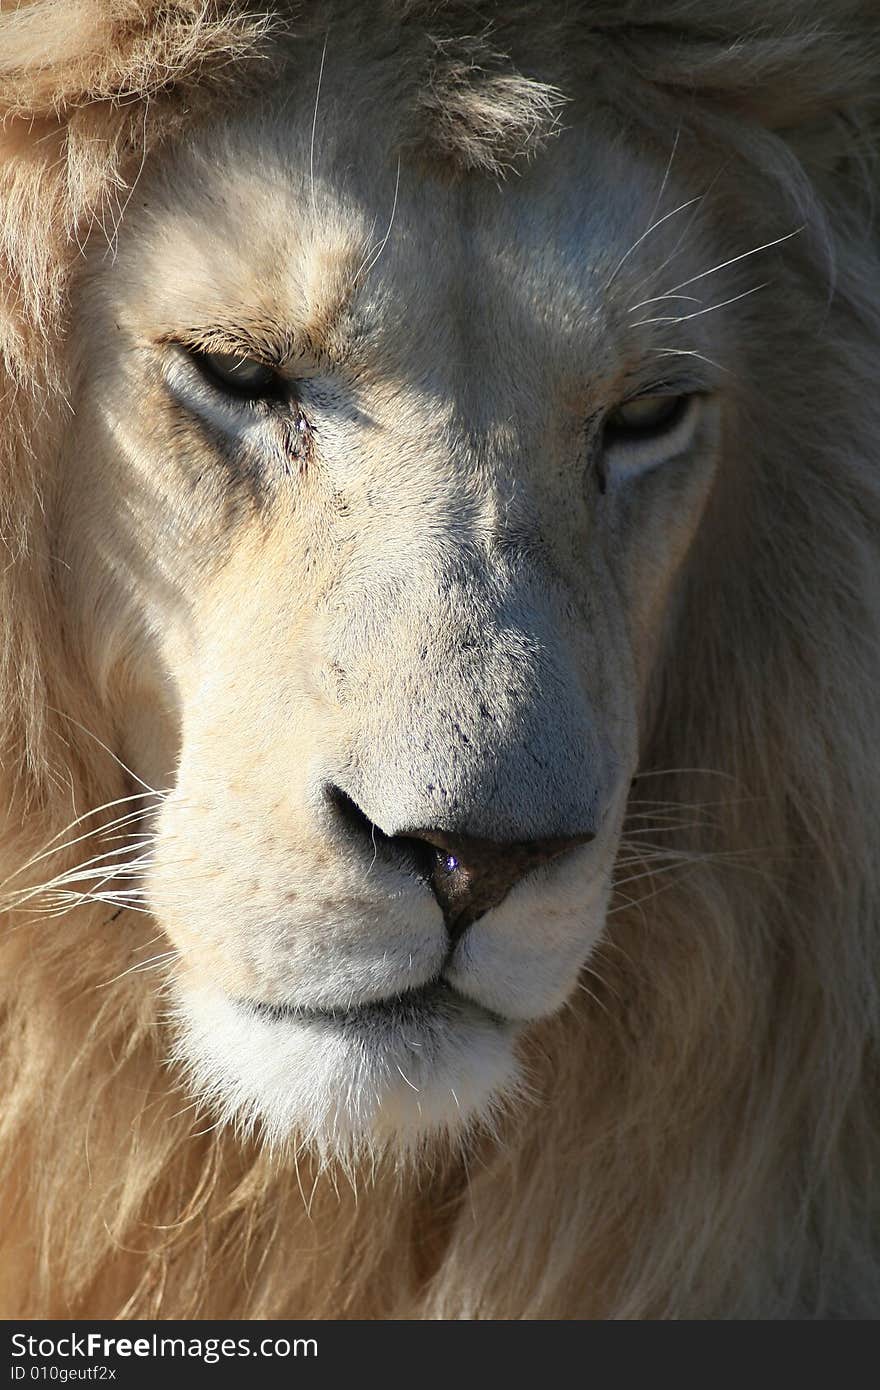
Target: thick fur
<point x="702" y="1129"/>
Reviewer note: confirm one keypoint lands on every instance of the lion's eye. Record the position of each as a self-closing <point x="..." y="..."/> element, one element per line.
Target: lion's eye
<point x="644" y="432"/>
<point x="646" y="415"/>
<point x="241" y="376"/>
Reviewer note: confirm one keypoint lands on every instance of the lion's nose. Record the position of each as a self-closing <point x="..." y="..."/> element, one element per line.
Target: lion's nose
<point x="470" y="875"/>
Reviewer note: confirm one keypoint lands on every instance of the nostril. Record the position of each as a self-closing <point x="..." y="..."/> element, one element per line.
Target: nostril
<point x="412" y="855"/>
<point x="467" y="874"/>
<point x="351" y="815"/>
<point x="471" y="875"/>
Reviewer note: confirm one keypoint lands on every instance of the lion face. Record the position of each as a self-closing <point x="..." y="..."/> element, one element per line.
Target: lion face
<point x="378" y="488"/>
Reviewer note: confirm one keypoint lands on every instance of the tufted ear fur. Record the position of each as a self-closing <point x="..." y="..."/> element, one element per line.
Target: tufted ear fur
<point x="769" y="62"/>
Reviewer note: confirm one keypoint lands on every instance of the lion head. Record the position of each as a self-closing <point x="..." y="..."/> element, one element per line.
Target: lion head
<point x="442" y="623"/>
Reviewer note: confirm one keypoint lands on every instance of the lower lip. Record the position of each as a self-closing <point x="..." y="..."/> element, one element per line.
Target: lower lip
<point x="414" y="1007"/>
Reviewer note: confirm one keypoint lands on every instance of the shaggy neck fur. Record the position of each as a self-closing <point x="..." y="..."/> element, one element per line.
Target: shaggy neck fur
<point x="704" y="1126"/>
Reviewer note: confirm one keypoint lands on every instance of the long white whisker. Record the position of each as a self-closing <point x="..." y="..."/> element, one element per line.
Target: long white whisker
<point x="130" y="846"/>
<point x="90" y="868"/>
<point x="659" y="223"/>
<point x="141" y="965"/>
<point x="109" y="751"/>
<point x="658" y="270"/>
<point x="97" y="833"/>
<point x="103" y="832"/>
<point x="672" y="882"/>
<point x="698" y="313"/>
<point x="651" y="223"/>
<point x="315" y="125"/>
<point x="682" y="771"/>
<point x="121" y="211"/>
<point x="585" y="989"/>
<point x="691" y="298"/>
<point x="721" y="266"/>
<point x="68" y="901"/>
<point x="365" y="269"/>
<point x="688" y="352"/>
<point x="666" y="174"/>
<point x="52" y="848"/>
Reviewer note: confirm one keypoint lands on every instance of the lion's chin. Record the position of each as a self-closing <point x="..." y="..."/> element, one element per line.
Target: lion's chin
<point x="429" y="1067"/>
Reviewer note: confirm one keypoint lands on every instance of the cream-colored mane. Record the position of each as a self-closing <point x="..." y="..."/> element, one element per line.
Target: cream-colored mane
<point x="703" y="1130"/>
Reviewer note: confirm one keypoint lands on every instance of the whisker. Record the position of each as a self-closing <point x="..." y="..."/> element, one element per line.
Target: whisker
<point x="648" y="897"/>
<point x="649" y="873"/>
<point x="666" y="174"/>
<point x="365" y="269"/>
<point x="109" y="751"/>
<point x="585" y="989"/>
<point x="682" y="771"/>
<point x="682" y="806"/>
<point x="612" y="945"/>
<point x="69" y="901"/>
<point x="315" y="125"/>
<point x="121" y="210"/>
<point x="722" y="265"/>
<point x="691" y="298"/>
<point x="152" y="963"/>
<point x="591" y="970"/>
<point x="78" y="871"/>
<point x="698" y="313"/>
<point x="688" y="352"/>
<point x="658" y="270"/>
<point x="52" y="848"/>
<point x="659" y="223"/>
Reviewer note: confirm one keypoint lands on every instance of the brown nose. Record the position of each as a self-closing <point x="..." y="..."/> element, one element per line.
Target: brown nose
<point x="470" y="875"/>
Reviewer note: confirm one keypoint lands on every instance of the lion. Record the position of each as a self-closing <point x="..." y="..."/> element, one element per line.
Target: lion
<point x="440" y="517"/>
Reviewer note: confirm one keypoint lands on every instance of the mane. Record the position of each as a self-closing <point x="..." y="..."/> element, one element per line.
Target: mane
<point x="703" y="1132"/>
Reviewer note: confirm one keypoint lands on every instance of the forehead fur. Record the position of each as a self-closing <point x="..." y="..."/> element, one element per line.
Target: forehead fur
<point x="89" y="88"/>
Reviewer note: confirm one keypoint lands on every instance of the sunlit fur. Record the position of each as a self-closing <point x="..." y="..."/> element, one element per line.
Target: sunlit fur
<point x="700" y="1135"/>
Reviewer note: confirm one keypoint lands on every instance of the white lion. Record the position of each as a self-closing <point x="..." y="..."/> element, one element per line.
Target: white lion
<point x="439" y="677"/>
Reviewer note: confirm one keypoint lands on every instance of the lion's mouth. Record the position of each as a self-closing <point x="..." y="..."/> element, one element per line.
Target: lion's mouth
<point x="432" y="1000"/>
<point x="426" y="1061"/>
